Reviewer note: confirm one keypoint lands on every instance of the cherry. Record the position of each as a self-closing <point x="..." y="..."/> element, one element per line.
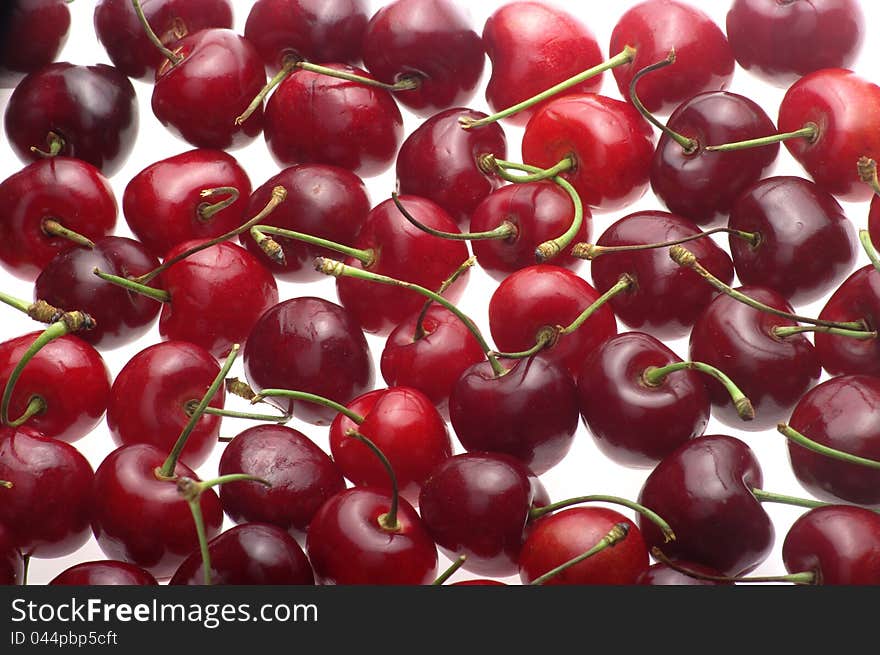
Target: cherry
<point x="11" y="560"/>
<point x="311" y="345"/>
<point x="121" y="316"/>
<point x="63" y="389"/>
<point x="104" y="572"/>
<point x="128" y="46"/>
<point x="440" y="161"/>
<point x="661" y="574"/>
<point x="32" y="34"/>
<point x="610" y="144"/>
<point x="302" y="476"/>
<point x="653" y="28"/>
<point x="782" y="41"/>
<point x="249" y="554"/>
<point x="533" y="46"/>
<point x="198" y="194"/>
<point x="806" y="244"/>
<point x="664" y="300"/>
<point x="339" y="122"/>
<point x="431" y="41"/>
<point x="324" y="201"/>
<point x="41" y="201"/>
<point x="315" y="30"/>
<point x="87" y="112"/>
<point x="47" y="508"/>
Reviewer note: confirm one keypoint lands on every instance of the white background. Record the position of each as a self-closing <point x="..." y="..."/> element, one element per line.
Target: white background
<point x="585" y="470"/>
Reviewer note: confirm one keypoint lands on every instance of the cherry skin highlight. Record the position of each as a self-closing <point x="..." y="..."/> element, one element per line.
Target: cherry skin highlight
<point x="103" y="573"/>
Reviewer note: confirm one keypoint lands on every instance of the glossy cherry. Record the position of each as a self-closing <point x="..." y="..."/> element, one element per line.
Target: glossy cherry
<point x="68" y="191"/>
<point x="32" y="34"/>
<point x="312" y="345"/>
<point x="171" y="200"/>
<point x="249" y="554"/>
<point x="87" y="112"/>
<point x="47" y="510"/>
<point x="104" y="572"/>
<point x="782" y="41"/>
<point x="123" y="37"/>
<point x="11" y="560"/>
<point x="661" y="574"/>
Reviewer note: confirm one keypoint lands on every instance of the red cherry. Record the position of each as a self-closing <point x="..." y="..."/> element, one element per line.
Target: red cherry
<point x="11" y="560"/>
<point x="104" y="572"/>
<point x="32" y="34"/>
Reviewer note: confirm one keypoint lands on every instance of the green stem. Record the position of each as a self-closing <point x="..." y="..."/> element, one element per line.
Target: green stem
<point x="195" y="508"/>
<point x="408" y="83"/>
<point x="309" y="398"/>
<point x="443" y="577"/>
<point x="207" y="211"/>
<point x="546" y="337"/>
<point x="173" y="57"/>
<point x="16" y="303"/>
<point x="782" y="499"/>
<point x="500" y="167"/>
<point x="654" y="376"/>
<point x="805" y="578"/>
<point x="625" y="56"/>
<point x="615" y="536"/>
<point x="338" y="269"/>
<point x="870" y="250"/>
<point x="810" y="131"/>
<point x="156" y="294"/>
<point x="387" y="521"/>
<point x="419" y="332"/>
<point x="506" y="230"/>
<point x="538" y="512"/>
<point x="592" y="250"/>
<point x="56" y="145"/>
<point x="288" y="67"/>
<point x="36" y="405"/>
<point x="52" y="228"/>
<point x="783" y="331"/>
<point x="274" y="252"/>
<point x="805" y="442"/>
<point x="250" y="416"/>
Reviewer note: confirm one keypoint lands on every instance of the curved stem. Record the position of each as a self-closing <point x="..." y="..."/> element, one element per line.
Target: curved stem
<point x="288" y="67"/>
<point x="615" y="535"/>
<point x="805" y="442"/>
<point x="689" y="145"/>
<point x="36" y="405"/>
<point x="190" y="407"/>
<point x="538" y="512"/>
<point x="805" y="578"/>
<point x="684" y="257"/>
<point x="274" y="252"/>
<point x="546" y="337"/>
<point x="309" y="398"/>
<point x="56" y="144"/>
<point x="156" y="294"/>
<point x="625" y="56"/>
<point x="870" y="250"/>
<point x="52" y="228"/>
<point x="501" y="167"/>
<point x="207" y="211"/>
<point x="625" y="283"/>
<point x="592" y="250"/>
<point x="173" y="57"/>
<point x="810" y="131"/>
<point x="387" y="521"/>
<point x="419" y="332"/>
<point x="338" y="269"/>
<point x="504" y="231"/>
<point x="782" y="499"/>
<point x="783" y="331"/>
<point x="654" y="376"/>
<point x="443" y="577"/>
<point x="408" y="83"/>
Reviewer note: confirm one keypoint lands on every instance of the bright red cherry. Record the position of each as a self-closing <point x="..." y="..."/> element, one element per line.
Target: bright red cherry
<point x="32" y="34"/>
<point x="104" y="572"/>
<point x="11" y="560"/>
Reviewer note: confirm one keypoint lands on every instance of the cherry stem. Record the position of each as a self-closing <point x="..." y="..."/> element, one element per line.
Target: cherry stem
<point x="190" y="407"/>
<point x="690" y="146"/>
<point x="615" y="536"/>
<point x="653" y="376"/>
<point x="36" y="405"/>
<point x="684" y="257"/>
<point x="56" y="144"/>
<point x="52" y="228"/>
<point x="338" y="269"/>
<point x="506" y="230"/>
<point x="443" y="577"/>
<point x="805" y="578"/>
<point x="810" y="131"/>
<point x="781" y="499"/>
<point x="501" y="167"/>
<point x="171" y="56"/>
<point x="240" y="388"/>
<point x="309" y="398"/>
<point x="166" y="471"/>
<point x="6" y="484"/>
<point x="867" y="168"/>
<point x="419" y="332"/>
<point x="870" y="250"/>
<point x="257" y="102"/>
<point x="274" y="252"/>
<point x="41" y="311"/>
<point x="387" y="521"/>
<point x="784" y="331"/>
<point x="279" y="195"/>
<point x="625" y="56"/>
<point x="207" y="211"/>
<point x="156" y="294"/>
<point x="805" y="442"/>
<point x="592" y="250"/>
<point x="538" y="512"/>
<point x="23" y="306"/>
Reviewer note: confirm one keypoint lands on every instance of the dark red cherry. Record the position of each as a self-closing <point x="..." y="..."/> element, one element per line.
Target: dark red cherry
<point x="806" y="242"/>
<point x="47" y="509"/>
<point x="199" y="98"/>
<point x="538" y="211"/>
<point x="782" y="41"/>
<point x="314" y="30"/>
<point x="249" y="554"/>
<point x="323" y="201"/>
<point x="68" y="281"/>
<point x="123" y="37"/>
<point x="164" y="203"/>
<point x="32" y="34"/>
<point x="68" y="375"/>
<point x="702" y="186"/>
<point x="533" y="46"/>
<point x="840" y="544"/>
<point x="432" y="41"/>
<point x="704" y="61"/>
<point x="140" y="519"/>
<point x="554" y="539"/>
<point x="530" y="413"/>
<point x="347" y="545"/>
<point x="90" y="112"/>
<point x="338" y="122"/>
<point x="11" y="560"/>
<point x="302" y="476"/>
<point x="479" y="582"/>
<point x="312" y="345"/>
<point x="772" y="371"/>
<point x="841" y="413"/>
<point x="665" y="299"/>
<point x="104" y="572"/>
<point x="661" y="574"/>
<point x="704" y="491"/>
<point x="216" y="296"/>
<point x="439" y="161"/>
<point x="68" y="191"/>
<point x="633" y="422"/>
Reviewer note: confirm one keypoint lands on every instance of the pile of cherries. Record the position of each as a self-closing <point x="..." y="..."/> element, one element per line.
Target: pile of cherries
<point x="179" y="315"/>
